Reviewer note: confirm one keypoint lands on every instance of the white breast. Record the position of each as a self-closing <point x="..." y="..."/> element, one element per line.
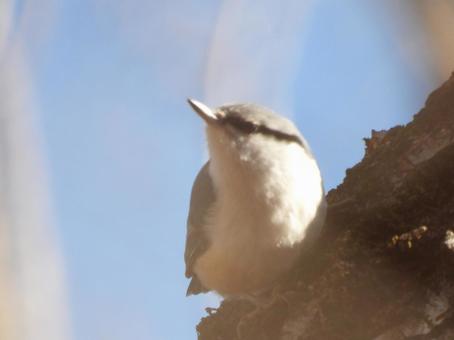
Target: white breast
<point x="267" y="196"/>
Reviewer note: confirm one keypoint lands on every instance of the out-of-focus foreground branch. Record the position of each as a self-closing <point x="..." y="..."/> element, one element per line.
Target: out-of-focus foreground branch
<point x="384" y="267"/>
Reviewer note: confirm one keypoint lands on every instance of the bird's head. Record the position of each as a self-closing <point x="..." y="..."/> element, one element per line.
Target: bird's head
<point x="247" y="129"/>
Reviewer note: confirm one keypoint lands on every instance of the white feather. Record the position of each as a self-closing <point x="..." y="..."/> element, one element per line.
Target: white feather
<point x="268" y="193"/>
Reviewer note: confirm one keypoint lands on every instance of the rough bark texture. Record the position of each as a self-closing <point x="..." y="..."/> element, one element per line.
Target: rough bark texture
<point x="384" y="267"/>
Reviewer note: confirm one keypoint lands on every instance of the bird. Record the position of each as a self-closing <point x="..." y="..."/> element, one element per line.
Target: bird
<point x="255" y="205"/>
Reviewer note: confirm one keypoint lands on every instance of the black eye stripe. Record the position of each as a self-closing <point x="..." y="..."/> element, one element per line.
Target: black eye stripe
<point x="241" y="124"/>
<point x="250" y="127"/>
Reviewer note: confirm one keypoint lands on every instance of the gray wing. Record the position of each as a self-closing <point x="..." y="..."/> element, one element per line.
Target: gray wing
<point x="202" y="197"/>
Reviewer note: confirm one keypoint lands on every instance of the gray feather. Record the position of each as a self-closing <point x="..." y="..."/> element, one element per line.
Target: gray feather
<point x="202" y="197"/>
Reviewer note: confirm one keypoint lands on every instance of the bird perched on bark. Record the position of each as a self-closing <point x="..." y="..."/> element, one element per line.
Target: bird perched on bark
<point x="255" y="204"/>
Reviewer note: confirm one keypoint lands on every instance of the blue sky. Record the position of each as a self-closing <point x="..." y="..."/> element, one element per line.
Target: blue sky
<point x="110" y="82"/>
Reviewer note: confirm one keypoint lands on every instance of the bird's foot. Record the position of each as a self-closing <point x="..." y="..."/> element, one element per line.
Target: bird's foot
<point x="261" y="305"/>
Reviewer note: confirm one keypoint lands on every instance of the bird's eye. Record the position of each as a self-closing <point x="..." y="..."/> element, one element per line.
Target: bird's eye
<point x="248" y="127"/>
<point x="243" y="125"/>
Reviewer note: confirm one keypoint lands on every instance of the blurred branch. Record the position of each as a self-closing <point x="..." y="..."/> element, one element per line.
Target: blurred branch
<point x="438" y="17"/>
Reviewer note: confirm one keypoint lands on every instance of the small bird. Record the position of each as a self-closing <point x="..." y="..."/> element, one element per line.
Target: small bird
<point x="256" y="203"/>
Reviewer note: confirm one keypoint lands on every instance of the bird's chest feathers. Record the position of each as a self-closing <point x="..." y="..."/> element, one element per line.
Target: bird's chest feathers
<point x="263" y="201"/>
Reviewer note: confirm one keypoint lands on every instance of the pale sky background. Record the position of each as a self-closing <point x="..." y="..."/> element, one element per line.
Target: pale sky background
<point x="109" y="81"/>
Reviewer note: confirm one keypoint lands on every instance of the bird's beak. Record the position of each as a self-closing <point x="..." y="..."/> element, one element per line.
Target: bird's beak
<point x="203" y="111"/>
